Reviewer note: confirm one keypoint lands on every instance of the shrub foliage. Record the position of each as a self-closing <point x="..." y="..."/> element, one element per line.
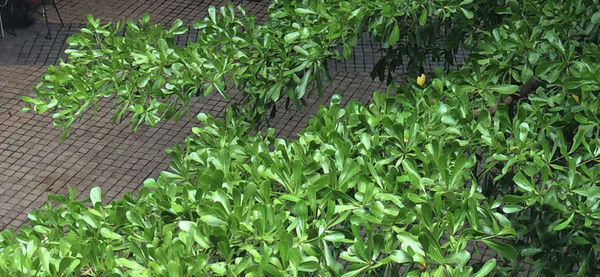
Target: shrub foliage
<point x="503" y="152"/>
<point x="286" y="57"/>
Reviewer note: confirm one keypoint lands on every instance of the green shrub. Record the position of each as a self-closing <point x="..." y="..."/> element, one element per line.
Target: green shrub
<point x="504" y="152"/>
<point x="413" y="33"/>
<point x="286" y="57"/>
<point x="153" y="79"/>
<point x="354" y="194"/>
<point x="363" y="190"/>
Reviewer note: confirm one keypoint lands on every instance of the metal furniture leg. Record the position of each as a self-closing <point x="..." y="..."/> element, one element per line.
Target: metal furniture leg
<point x="46" y="17"/>
<point x="1" y="26"/>
<point x="2" y="23"/>
<point x="56" y="9"/>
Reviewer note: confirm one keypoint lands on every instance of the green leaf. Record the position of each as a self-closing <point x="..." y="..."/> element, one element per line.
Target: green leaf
<point x="437" y="85"/>
<point x="178" y="23"/>
<point x="89" y="220"/>
<point x="107" y="233"/>
<point x="186" y="225"/>
<point x="526" y="73"/>
<point x="45" y="259"/>
<point x="212" y="220"/>
<point x="355" y="272"/>
<point x="301" y="50"/>
<point x="304" y="11"/>
<point x="504" y="89"/>
<point x="291" y="37"/>
<point x="129" y="264"/>
<point x="30" y="100"/>
<point x="335" y="237"/>
<point x="530" y="251"/>
<point x="423" y="17"/>
<point x="564" y="224"/>
<point x="173" y="269"/>
<point x="549" y="71"/>
<point x="460" y="258"/>
<point x="500" y="157"/>
<point x="523" y="183"/>
<point x="96" y="195"/>
<point x="510" y="208"/>
<point x="301" y="88"/>
<point x="593" y="191"/>
<point x="219" y="268"/>
<point x="150" y="183"/>
<point x="523" y="131"/>
<point x="143" y="81"/>
<point x="309" y="264"/>
<point x="596" y="17"/>
<point x="486" y="268"/>
<point x="134" y="218"/>
<point x="302" y="210"/>
<point x="468" y="14"/>
<point x="448" y="120"/>
<point x="409" y="242"/>
<point x="347" y="52"/>
<point x="400" y="257"/>
<point x="415" y="198"/>
<point x="145" y="18"/>
<point x="212" y="13"/>
<point x="503" y="249"/>
<point x="271" y="270"/>
<point x="395" y="35"/>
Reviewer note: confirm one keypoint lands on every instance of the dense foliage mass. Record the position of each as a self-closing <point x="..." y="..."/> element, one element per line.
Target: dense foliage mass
<point x="286" y="57"/>
<point x="504" y="152"/>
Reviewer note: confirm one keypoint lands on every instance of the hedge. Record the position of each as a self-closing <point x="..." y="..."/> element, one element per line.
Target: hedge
<point x="503" y="152"/>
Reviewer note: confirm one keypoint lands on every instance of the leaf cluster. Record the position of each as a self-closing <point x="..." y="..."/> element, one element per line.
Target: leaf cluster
<point x="504" y="152"/>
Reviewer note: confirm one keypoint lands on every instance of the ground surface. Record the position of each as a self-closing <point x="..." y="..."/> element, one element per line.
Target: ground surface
<point x="33" y="162"/>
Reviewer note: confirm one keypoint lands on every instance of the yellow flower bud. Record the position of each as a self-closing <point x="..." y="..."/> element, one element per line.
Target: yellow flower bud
<point x="421" y="80"/>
